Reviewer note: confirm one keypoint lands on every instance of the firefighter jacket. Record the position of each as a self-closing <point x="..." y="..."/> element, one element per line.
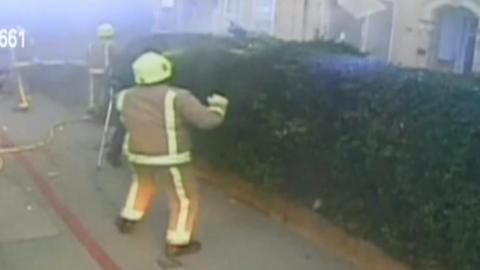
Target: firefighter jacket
<point x="101" y="55"/>
<point x="158" y="119"/>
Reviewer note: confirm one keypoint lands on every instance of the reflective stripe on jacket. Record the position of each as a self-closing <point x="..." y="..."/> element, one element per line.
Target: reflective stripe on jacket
<point x="100" y="56"/>
<point x="157" y="119"/>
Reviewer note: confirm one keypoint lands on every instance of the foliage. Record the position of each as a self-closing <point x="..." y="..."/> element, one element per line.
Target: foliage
<point x="393" y="153"/>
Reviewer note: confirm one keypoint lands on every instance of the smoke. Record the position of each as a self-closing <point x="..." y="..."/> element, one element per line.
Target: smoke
<point x="63" y="28"/>
<point x="59" y="17"/>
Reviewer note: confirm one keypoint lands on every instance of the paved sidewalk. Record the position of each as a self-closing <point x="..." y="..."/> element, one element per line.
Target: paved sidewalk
<point x="34" y="236"/>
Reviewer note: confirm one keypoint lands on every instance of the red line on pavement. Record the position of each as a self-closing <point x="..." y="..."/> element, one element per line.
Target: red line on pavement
<point x="69" y="218"/>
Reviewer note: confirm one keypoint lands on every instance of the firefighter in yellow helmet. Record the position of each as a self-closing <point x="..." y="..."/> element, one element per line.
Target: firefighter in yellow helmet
<point x="158" y="117"/>
<point x="101" y="56"/>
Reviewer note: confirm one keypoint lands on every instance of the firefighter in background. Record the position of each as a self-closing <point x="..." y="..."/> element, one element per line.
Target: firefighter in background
<point x="100" y="57"/>
<point x="5" y="66"/>
<point x="3" y="80"/>
<point x="22" y="58"/>
<point x="158" y="117"/>
<point x="122" y="78"/>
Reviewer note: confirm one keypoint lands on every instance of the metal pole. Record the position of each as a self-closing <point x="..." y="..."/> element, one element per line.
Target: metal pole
<point x="105" y="131"/>
<point x="305" y="19"/>
<point x="365" y="33"/>
<point x="324" y="20"/>
<point x="392" y="31"/>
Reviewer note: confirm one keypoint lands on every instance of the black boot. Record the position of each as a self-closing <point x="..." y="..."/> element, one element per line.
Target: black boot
<point x="114" y="160"/>
<point x="125" y="226"/>
<point x="176" y="251"/>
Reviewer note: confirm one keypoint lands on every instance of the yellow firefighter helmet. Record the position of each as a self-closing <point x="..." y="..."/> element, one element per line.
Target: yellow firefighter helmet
<point x="152" y="68"/>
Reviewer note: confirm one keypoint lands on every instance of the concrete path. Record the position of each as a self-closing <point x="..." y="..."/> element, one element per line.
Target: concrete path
<point x="57" y="211"/>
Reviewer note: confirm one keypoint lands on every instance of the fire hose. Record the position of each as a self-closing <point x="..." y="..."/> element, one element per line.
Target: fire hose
<point x="24" y="105"/>
<point x="39" y="144"/>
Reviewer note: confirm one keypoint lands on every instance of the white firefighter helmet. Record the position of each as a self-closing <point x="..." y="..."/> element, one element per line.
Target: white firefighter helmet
<point x="106" y="31"/>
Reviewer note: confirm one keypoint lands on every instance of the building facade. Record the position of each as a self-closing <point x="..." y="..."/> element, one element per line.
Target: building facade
<point x="436" y="34"/>
<point x="184" y="16"/>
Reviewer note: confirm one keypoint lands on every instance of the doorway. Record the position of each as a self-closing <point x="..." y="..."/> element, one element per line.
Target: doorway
<point x="456" y="31"/>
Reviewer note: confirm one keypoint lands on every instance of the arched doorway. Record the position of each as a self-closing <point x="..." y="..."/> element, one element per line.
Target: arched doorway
<point x="454" y="39"/>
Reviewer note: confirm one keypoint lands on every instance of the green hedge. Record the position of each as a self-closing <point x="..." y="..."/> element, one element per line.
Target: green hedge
<point x="393" y="154"/>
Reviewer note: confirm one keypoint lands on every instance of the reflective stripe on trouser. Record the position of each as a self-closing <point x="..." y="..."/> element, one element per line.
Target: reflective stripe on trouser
<point x="98" y="90"/>
<point x="183" y="198"/>
<point x="22" y="85"/>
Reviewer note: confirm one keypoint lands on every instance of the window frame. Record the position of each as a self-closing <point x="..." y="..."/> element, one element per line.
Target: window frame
<point x="257" y="19"/>
<point x="233" y="13"/>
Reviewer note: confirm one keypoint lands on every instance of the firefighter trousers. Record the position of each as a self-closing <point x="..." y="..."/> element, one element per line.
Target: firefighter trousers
<point x="182" y="188"/>
<point x="3" y="81"/>
<point x="21" y="82"/>
<point x="98" y="93"/>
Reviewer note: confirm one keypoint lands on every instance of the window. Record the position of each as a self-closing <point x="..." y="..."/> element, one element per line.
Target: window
<point x="264" y="16"/>
<point x="233" y="10"/>
<point x="164" y="3"/>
